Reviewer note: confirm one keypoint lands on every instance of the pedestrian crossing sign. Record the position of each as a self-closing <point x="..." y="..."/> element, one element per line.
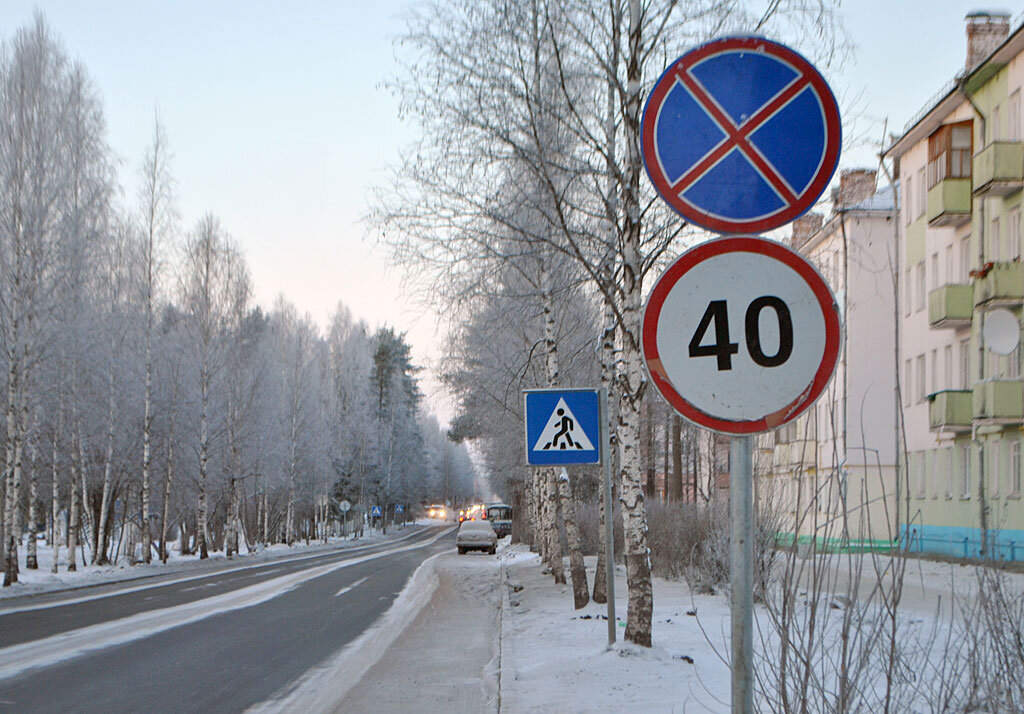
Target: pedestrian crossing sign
<point x="562" y="426"/>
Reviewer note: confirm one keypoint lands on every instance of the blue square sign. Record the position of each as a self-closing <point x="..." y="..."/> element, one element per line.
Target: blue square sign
<point x="563" y="426"/>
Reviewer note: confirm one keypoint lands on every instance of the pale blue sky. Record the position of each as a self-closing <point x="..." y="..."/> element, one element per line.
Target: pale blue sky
<point x="279" y="123"/>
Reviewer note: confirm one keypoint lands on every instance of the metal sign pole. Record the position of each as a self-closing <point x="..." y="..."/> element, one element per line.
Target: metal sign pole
<point x="609" y="512"/>
<point x="741" y="557"/>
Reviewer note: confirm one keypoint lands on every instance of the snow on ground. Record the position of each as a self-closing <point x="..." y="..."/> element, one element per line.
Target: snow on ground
<point x="42" y="580"/>
<point x="558" y="659"/>
<point x="496" y="634"/>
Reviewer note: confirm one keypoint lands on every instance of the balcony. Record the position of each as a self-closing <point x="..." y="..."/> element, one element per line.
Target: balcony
<point x="950" y="410"/>
<point x="1000" y="285"/>
<point x="794" y="455"/>
<point x="950" y="306"/>
<point x="949" y="202"/>
<point x="998" y="401"/>
<point x="999" y="169"/>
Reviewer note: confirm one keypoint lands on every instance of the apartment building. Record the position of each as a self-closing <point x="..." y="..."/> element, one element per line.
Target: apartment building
<point x="961" y="170"/>
<point x="835" y="467"/>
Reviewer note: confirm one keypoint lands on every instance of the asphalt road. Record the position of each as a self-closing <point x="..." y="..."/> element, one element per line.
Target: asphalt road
<point x="272" y="623"/>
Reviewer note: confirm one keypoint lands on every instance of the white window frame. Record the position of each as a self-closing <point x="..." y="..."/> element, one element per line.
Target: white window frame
<point x="1013" y="486"/>
<point x="965" y="471"/>
<point x="995" y="469"/>
<point x="965" y="363"/>
<point x="922" y="288"/>
<point x="922" y="378"/>
<point x="949" y="473"/>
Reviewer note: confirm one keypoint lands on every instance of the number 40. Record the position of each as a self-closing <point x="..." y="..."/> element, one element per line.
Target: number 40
<point x="723" y="349"/>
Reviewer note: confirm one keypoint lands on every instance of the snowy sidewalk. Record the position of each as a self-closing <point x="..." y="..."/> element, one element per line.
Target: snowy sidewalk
<point x="447" y="659"/>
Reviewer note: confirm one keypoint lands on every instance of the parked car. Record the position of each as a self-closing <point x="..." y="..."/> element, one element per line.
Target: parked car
<point x="476" y="535"/>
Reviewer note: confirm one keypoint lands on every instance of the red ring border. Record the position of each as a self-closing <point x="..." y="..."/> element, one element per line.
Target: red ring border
<point x="686" y="262"/>
<point x="819" y="183"/>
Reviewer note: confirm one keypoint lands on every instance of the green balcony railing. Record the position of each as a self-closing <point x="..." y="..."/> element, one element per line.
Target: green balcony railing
<point x="999" y="400"/>
<point x="1001" y="284"/>
<point x="949" y="202"/>
<point x="950" y="410"/>
<point x="951" y="306"/>
<point x="999" y="169"/>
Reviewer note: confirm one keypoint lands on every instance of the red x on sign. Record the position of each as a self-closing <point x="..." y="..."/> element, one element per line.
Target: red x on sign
<point x="741" y="135"/>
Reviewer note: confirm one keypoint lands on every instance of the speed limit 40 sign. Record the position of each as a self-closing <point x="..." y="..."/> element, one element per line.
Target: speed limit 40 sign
<point x="741" y="335"/>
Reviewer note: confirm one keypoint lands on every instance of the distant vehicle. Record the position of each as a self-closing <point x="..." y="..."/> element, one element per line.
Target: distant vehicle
<point x="475" y="512"/>
<point x="500" y="516"/>
<point x="476" y="535"/>
<point x="437" y="511"/>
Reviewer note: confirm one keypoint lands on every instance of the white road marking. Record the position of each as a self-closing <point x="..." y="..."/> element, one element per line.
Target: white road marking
<point x="355" y="584"/>
<point x="189" y="578"/>
<point x="64" y="646"/>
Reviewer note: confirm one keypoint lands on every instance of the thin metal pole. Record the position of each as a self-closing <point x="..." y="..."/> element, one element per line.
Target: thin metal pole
<point x="741" y="526"/>
<point x="609" y="513"/>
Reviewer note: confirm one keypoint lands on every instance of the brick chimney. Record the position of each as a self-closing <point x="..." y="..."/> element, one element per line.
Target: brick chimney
<point x="804" y="227"/>
<point x="986" y="30"/>
<point x="855" y="185"/>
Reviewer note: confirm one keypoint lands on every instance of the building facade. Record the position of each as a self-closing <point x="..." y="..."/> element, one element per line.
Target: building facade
<point x="835" y="467"/>
<point x="961" y="171"/>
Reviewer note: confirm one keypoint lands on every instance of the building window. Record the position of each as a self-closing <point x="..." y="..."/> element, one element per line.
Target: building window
<point x="908" y="195"/>
<point x="1014" y="484"/>
<point x="933" y="367"/>
<point x="922" y="288"/>
<point x="993" y="467"/>
<point x="1014" y="367"/>
<point x="922" y="193"/>
<point x="920" y="475"/>
<point x="994" y="242"/>
<point x="965" y="259"/>
<point x="965" y="471"/>
<point x="949" y="152"/>
<point x="1013" y="234"/>
<point x="995" y="124"/>
<point x="934" y="272"/>
<point x="965" y="363"/>
<point x="949" y="265"/>
<point x="947" y="366"/>
<point x="908" y="380"/>
<point x="949" y="473"/>
<point x="1014" y="118"/>
<point x="922" y="382"/>
<point x="908" y="293"/>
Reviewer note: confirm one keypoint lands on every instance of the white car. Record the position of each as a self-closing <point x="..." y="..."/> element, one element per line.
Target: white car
<point x="476" y="535"/>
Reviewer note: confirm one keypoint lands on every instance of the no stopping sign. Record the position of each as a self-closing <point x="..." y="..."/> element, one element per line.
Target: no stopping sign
<point x="741" y="335"/>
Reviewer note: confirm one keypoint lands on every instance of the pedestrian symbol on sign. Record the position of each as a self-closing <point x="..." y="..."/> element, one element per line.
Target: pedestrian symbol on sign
<point x="563" y="432"/>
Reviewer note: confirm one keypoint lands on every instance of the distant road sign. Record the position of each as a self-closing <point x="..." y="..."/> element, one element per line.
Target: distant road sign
<point x="399" y="508"/>
<point x="562" y="426"/>
<point x="375" y="511"/>
<point x="345" y="506"/>
<point x="741" y="135"/>
<point x="741" y="335"/>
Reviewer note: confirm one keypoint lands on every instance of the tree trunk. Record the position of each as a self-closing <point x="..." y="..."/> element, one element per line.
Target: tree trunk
<point x="147" y="428"/>
<point x="73" y="524"/>
<point x="553" y="538"/>
<point x="631" y="381"/>
<point x="99" y="554"/>
<point x="204" y="452"/>
<point x="31" y="561"/>
<point x="55" y="500"/>
<point x="577" y="571"/>
<point x="676" y="482"/>
<point x="167" y="495"/>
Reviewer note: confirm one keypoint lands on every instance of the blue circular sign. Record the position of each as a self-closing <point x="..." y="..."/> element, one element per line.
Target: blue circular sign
<point x="741" y="135"/>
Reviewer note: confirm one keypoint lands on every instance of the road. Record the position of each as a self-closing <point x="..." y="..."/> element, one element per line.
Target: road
<point x="218" y="642"/>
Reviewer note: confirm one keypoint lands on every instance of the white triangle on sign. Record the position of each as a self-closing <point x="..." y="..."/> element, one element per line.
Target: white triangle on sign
<point x="563" y="432"/>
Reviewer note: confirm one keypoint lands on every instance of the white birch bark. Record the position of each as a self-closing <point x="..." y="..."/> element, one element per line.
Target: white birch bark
<point x="631" y="380"/>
